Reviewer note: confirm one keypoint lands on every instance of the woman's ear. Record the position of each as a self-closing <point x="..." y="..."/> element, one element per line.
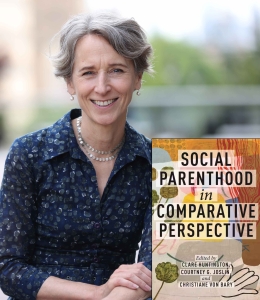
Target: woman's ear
<point x="138" y="83"/>
<point x="70" y="86"/>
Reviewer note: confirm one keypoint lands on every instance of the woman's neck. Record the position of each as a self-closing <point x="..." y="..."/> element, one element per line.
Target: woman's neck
<point x="101" y="137"/>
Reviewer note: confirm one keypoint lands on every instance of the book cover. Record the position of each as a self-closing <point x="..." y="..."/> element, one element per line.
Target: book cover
<point x="206" y="230"/>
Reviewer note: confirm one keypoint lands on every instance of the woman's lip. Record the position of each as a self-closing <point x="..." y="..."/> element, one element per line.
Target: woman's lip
<point x="104" y="103"/>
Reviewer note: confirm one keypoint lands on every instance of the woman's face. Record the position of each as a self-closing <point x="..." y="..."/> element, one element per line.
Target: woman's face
<point x="103" y="81"/>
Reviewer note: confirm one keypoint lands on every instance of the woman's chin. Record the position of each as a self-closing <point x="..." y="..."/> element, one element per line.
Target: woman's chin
<point x="110" y="120"/>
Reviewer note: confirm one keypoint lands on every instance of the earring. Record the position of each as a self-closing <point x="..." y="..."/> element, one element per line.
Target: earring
<point x="138" y="93"/>
<point x="71" y="97"/>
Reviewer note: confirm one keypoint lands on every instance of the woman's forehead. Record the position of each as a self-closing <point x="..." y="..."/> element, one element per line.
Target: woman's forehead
<point x="94" y="48"/>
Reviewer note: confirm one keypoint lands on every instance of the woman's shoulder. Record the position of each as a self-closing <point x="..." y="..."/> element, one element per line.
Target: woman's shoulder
<point x="137" y="135"/>
<point x="139" y="142"/>
<point x="46" y="139"/>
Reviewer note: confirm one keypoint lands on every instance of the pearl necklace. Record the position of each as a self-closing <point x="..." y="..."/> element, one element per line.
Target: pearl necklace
<point x="85" y="145"/>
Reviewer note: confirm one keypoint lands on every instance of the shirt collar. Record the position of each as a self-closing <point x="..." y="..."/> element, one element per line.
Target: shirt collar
<point x="60" y="139"/>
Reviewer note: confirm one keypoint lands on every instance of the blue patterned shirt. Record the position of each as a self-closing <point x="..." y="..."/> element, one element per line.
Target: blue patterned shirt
<point x="52" y="219"/>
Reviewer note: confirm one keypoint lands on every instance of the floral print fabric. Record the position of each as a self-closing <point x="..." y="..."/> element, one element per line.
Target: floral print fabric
<point x="52" y="220"/>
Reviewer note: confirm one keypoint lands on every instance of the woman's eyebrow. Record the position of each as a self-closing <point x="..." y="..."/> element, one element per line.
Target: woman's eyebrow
<point x="118" y="65"/>
<point x="86" y="68"/>
<point x="110" y="65"/>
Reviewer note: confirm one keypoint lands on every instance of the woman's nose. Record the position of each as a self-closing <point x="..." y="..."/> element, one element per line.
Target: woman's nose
<point x="102" y="84"/>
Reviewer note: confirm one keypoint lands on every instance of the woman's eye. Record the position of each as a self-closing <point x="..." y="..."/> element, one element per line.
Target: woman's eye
<point x="88" y="73"/>
<point x="118" y="71"/>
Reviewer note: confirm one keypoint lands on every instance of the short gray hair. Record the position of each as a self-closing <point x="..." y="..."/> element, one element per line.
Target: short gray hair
<point x="124" y="35"/>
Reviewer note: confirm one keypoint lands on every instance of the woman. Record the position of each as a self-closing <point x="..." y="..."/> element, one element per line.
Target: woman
<point x="75" y="197"/>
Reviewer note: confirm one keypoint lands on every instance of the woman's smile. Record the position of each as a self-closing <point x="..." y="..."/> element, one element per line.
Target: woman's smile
<point x="104" y="103"/>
